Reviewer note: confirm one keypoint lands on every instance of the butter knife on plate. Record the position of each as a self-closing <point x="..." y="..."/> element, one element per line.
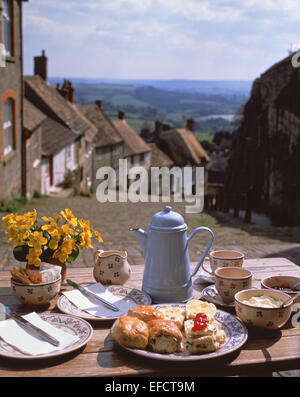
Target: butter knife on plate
<point x="92" y="295"/>
<point x="30" y="327"/>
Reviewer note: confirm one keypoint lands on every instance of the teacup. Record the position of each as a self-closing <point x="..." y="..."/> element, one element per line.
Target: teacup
<point x="223" y="258"/>
<point x="230" y="280"/>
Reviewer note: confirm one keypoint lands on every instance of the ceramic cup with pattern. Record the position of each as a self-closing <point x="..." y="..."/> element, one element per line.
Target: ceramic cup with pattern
<point x="230" y="280"/>
<point x="224" y="258"/>
<point x="111" y="267"/>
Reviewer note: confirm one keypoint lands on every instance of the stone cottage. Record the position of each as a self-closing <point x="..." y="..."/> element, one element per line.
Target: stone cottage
<point x="264" y="167"/>
<point x="57" y="105"/>
<point x="12" y="149"/>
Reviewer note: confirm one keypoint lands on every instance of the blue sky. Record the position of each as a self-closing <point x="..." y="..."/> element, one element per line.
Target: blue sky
<point x="160" y="39"/>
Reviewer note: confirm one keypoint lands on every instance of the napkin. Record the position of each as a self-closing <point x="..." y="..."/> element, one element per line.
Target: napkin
<point x="96" y="308"/>
<point x="15" y="335"/>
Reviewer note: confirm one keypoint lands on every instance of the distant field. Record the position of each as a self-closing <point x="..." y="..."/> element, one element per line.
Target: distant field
<point x="172" y="102"/>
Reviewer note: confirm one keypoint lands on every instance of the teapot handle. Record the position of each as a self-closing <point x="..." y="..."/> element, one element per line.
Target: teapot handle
<point x="206" y="249"/>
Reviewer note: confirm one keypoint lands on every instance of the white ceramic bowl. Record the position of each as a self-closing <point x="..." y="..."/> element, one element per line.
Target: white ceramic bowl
<point x="282" y="282"/>
<point x="261" y="317"/>
<point x="36" y="294"/>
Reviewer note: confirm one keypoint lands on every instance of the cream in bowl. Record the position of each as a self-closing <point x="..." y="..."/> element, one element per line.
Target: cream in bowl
<point x="36" y="294"/>
<point x="230" y="280"/>
<point x="262" y="308"/>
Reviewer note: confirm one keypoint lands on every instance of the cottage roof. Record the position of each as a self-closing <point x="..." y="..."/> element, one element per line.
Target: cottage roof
<point x="133" y="143"/>
<point x="107" y="134"/>
<point x="183" y="147"/>
<point x="49" y="101"/>
<point x="158" y="157"/>
<point x="55" y="136"/>
<point x="32" y="116"/>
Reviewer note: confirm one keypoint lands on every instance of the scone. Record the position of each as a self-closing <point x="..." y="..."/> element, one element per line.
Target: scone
<point x="194" y="306"/>
<point x="206" y="344"/>
<point x="209" y="330"/>
<point x="145" y="313"/>
<point x="176" y="314"/>
<point x="164" y="336"/>
<point x="130" y="332"/>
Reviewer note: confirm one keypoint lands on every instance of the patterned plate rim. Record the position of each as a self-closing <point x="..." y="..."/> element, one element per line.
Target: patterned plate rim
<point x="209" y="298"/>
<point x="198" y="357"/>
<point x="75" y="346"/>
<point x="112" y="288"/>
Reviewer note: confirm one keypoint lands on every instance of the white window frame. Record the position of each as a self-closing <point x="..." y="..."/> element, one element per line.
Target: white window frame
<point x="8" y="124"/>
<point x="6" y="22"/>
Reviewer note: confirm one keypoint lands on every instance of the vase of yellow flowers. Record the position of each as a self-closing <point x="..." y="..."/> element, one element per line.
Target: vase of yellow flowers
<point x="57" y="240"/>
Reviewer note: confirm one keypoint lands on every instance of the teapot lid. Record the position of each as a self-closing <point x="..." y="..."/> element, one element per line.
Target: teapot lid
<point x="167" y="219"/>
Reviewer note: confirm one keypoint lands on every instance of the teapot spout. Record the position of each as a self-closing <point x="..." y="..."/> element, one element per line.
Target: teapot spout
<point x="141" y="236"/>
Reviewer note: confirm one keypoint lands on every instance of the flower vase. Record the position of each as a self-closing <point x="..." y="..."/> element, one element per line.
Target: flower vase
<point x="56" y="262"/>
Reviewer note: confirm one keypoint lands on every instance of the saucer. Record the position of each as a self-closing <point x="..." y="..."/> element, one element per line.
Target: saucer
<point x="211" y="294"/>
<point x="204" y="277"/>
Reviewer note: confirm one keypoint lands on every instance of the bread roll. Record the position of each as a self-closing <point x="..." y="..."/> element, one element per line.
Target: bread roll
<point x="130" y="332"/>
<point x="145" y="313"/>
<point x="164" y="336"/>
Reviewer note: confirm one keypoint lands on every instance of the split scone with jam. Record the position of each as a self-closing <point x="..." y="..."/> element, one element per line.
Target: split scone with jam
<point x="203" y="332"/>
<point x="164" y="336"/>
<point x="176" y="314"/>
<point x="195" y="306"/>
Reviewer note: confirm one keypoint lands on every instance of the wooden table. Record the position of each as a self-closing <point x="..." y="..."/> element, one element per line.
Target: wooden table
<point x="262" y="353"/>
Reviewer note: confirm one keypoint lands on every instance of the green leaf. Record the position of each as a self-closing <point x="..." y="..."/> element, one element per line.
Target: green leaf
<point x="73" y="255"/>
<point x="20" y="253"/>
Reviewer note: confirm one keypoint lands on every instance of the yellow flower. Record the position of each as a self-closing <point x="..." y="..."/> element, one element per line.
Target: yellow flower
<point x="66" y="230"/>
<point x="53" y="243"/>
<point x="58" y="218"/>
<point x="98" y="236"/>
<point x="66" y="248"/>
<point x="36" y="239"/>
<point x="68" y="215"/>
<point x="33" y="257"/>
<point x="86" y="228"/>
<point x="86" y="241"/>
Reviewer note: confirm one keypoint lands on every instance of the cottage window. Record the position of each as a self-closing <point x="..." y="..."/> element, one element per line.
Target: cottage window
<point x="99" y="153"/>
<point x="142" y="157"/>
<point x="36" y="152"/>
<point x="117" y="150"/>
<point x="8" y="126"/>
<point x="6" y="26"/>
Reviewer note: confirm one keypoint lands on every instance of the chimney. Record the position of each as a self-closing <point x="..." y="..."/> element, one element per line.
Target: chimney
<point x="100" y="104"/>
<point x="41" y="66"/>
<point x="71" y="92"/>
<point x="67" y="91"/>
<point x="121" y="115"/>
<point x="158" y="127"/>
<point x="190" y="125"/>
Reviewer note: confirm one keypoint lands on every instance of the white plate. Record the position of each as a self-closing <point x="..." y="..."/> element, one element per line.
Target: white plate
<point x="236" y="335"/>
<point x="210" y="294"/>
<point x="131" y="294"/>
<point x="74" y="326"/>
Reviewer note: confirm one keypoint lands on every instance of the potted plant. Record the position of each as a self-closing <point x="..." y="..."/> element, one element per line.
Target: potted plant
<point x="56" y="241"/>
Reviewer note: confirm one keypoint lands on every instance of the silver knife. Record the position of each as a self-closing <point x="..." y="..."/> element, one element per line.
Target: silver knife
<point x="91" y="295"/>
<point x="30" y="327"/>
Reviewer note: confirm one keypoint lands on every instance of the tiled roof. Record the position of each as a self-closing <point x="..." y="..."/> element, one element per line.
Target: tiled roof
<point x="49" y="101"/>
<point x="183" y="147"/>
<point x="55" y="136"/>
<point x="133" y="143"/>
<point x="32" y="116"/>
<point x="158" y="157"/>
<point x="107" y="134"/>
